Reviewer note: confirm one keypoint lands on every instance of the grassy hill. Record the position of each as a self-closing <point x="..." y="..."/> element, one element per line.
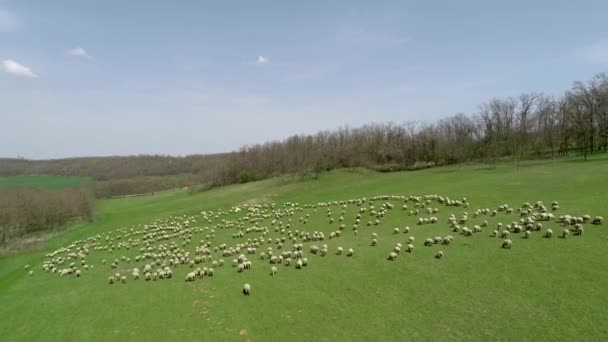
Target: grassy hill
<point x="548" y="289"/>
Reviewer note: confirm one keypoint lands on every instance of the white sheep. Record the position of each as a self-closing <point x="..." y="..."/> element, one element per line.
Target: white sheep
<point x="246" y="289"/>
<point x="428" y="242"/>
<point x="191" y="276"/>
<point x="439" y="255"/>
<point x="273" y="270"/>
<point x="507" y="244"/>
<point x="549" y="233"/>
<point x="527" y="234"/>
<point x="299" y="264"/>
<point x="565" y="233"/>
<point x="392" y="256"/>
<point x="339" y="251"/>
<point x="350" y="252"/>
<point x="409" y="248"/>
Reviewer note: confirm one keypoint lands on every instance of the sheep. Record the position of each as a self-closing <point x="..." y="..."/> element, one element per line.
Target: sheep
<point x="148" y="276"/>
<point x="350" y="252"/>
<point x="191" y="276"/>
<point x="439" y="255"/>
<point x="111" y="280"/>
<point x="494" y="233"/>
<point x="598" y="220"/>
<point x="374" y="242"/>
<point x="246" y="289"/>
<point x="273" y="270"/>
<point x="506" y="244"/>
<point x="304" y="261"/>
<point x="31" y="273"/>
<point x="397" y="249"/>
<point x="123" y="279"/>
<point x="339" y="251"/>
<point x="565" y="233"/>
<point x="409" y="248"/>
<point x="505" y="234"/>
<point x="578" y="229"/>
<point x="549" y="233"/>
<point x="209" y="272"/>
<point x="299" y="264"/>
<point x="428" y="242"/>
<point x="527" y="234"/>
<point x="406" y="230"/>
<point x="396" y="230"/>
<point x="392" y="256"/>
<point x="411" y="239"/>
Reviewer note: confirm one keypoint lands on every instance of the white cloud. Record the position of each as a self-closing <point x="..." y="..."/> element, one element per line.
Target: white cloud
<point x="12" y="67"/>
<point x="79" y="52"/>
<point x="8" y="21"/>
<point x="596" y="53"/>
<point x="262" y="60"/>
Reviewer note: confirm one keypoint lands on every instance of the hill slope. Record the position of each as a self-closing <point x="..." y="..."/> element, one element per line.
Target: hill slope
<point x="540" y="289"/>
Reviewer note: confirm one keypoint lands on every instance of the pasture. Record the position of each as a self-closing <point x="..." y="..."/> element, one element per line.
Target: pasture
<point x="541" y="288"/>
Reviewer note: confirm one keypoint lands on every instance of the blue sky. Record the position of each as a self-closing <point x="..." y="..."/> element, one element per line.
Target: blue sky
<point x="126" y="77"/>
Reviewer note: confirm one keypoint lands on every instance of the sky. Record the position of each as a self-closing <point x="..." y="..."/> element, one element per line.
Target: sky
<point x="88" y="78"/>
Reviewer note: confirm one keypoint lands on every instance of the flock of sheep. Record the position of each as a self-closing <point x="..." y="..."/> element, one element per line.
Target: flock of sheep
<point x="277" y="234"/>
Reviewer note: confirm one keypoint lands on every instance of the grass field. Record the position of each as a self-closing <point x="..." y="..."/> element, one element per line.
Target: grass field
<point x="44" y="182"/>
<point x="541" y="289"/>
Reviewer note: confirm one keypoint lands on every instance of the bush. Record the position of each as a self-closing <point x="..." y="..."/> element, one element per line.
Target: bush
<point x="244" y="177"/>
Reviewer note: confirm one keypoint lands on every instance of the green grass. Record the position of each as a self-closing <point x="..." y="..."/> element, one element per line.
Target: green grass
<point x="44" y="182"/>
<point x="541" y="289"/>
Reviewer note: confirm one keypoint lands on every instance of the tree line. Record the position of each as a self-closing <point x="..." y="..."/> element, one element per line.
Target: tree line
<point x="28" y="210"/>
<point x="531" y="125"/>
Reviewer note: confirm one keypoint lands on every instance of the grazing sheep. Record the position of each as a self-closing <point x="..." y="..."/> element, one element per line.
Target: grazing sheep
<point x="411" y="239"/>
<point x="409" y="248"/>
<point x="598" y="220"/>
<point x="505" y="234"/>
<point x="527" y="234"/>
<point x="111" y="280"/>
<point x="246" y="289"/>
<point x="439" y="255"/>
<point x="148" y="276"/>
<point x="578" y="229"/>
<point x="397" y="249"/>
<point x="299" y="264"/>
<point x="495" y="233"/>
<point x="565" y="233"/>
<point x="374" y="242"/>
<point x="350" y="252"/>
<point x="396" y="231"/>
<point x="428" y="242"/>
<point x="191" y="276"/>
<point x="549" y="233"/>
<point x="392" y="256"/>
<point x="123" y="279"/>
<point x="339" y="251"/>
<point x="507" y="244"/>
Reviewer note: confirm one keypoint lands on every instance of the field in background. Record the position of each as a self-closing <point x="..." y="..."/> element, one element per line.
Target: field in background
<point x="44" y="182"/>
<point x="548" y="289"/>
